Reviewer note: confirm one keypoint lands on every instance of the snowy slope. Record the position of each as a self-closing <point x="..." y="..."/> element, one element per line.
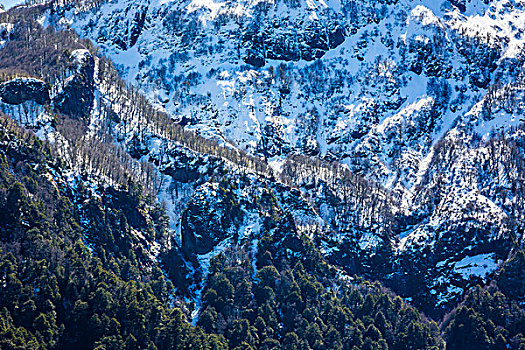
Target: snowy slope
<point x="404" y="75"/>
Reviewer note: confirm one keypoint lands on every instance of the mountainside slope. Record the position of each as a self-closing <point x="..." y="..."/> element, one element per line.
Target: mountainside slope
<point x="410" y="95"/>
<point x="77" y="269"/>
<point x="437" y="213"/>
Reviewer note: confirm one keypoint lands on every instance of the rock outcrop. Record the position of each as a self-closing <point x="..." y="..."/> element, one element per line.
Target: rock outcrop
<point x="76" y="96"/>
<point x="210" y="217"/>
<point x="20" y="90"/>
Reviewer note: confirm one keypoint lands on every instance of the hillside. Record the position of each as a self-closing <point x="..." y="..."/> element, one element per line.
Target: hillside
<point x="253" y="166"/>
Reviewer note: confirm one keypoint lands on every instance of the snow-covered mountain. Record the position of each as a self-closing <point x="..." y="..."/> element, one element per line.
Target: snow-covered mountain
<point x="372" y="85"/>
<point x="389" y="131"/>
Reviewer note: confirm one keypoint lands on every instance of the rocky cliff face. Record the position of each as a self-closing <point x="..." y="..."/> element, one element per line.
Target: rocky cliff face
<point x="75" y="96"/>
<point x="211" y="216"/>
<point x="20" y="90"/>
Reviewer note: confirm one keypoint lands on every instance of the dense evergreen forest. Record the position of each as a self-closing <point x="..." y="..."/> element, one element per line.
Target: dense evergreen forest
<point x="65" y="288"/>
<point x="76" y="263"/>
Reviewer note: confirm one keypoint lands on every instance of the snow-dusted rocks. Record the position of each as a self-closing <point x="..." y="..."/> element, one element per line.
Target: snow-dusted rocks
<point x="20" y="90"/>
<point x="212" y="215"/>
<point x="75" y="95"/>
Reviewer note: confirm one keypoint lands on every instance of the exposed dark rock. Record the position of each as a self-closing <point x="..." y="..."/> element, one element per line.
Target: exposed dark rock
<point x="212" y="215"/>
<point x="138" y="25"/>
<point x="460" y="4"/>
<point x="123" y="25"/>
<point x="4" y="32"/>
<point x="254" y="45"/>
<point x="182" y="174"/>
<point x="137" y="149"/>
<point x="336" y="36"/>
<point x="185" y="167"/>
<point x="133" y="29"/>
<point x="255" y="58"/>
<point x="20" y="90"/>
<point x="77" y="95"/>
<point x="290" y="42"/>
